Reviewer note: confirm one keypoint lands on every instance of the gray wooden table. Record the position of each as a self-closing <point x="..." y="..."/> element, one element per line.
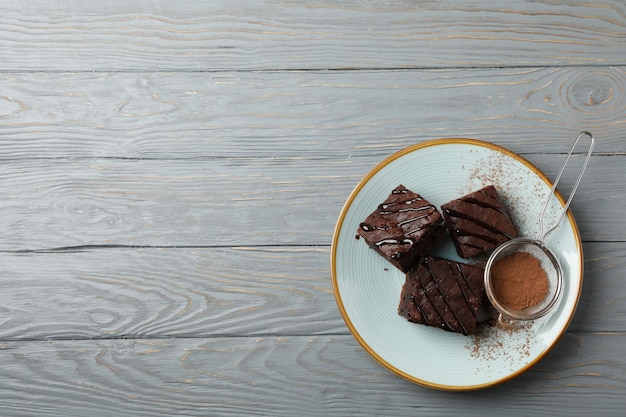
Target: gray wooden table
<point x="171" y="174"/>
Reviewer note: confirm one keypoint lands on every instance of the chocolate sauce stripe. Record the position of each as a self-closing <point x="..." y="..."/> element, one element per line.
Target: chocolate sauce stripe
<point x="446" y="300"/>
<point x="419" y="310"/>
<point x="394" y="241"/>
<point x="413" y="219"/>
<point x="479" y="248"/>
<point x="442" y="297"/>
<point x="469" y="286"/>
<point x="464" y="285"/>
<point x="427" y="299"/>
<point x="474" y="220"/>
<point x="483" y="204"/>
<point x="384" y="207"/>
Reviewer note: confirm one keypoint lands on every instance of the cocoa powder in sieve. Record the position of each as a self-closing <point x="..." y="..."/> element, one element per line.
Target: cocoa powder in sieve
<point x="519" y="281"/>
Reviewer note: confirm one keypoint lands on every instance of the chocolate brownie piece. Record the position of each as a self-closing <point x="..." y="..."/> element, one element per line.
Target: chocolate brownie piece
<point x="403" y="228"/>
<point x="444" y="294"/>
<point x="478" y="222"/>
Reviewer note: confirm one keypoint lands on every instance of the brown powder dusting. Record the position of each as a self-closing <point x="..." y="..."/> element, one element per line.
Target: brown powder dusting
<point x="510" y="345"/>
<point x="519" y="281"/>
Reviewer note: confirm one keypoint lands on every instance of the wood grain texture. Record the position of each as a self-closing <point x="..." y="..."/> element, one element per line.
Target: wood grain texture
<point x="171" y="174"/>
<point x="147" y="293"/>
<point x="286" y="34"/>
<point x="227" y="201"/>
<point x="218" y="292"/>
<point x="318" y="375"/>
<point x="304" y="115"/>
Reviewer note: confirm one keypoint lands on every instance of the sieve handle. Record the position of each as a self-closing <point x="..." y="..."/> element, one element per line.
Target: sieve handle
<point x="558" y="177"/>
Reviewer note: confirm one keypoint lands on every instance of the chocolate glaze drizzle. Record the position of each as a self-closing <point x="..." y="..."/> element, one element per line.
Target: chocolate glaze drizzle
<point x="402" y="228"/>
<point x="438" y="301"/>
<point x="478" y="222"/>
<point x="397" y="207"/>
<point x="465" y="232"/>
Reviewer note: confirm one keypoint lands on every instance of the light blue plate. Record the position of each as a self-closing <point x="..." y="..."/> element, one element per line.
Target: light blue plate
<point x="367" y="288"/>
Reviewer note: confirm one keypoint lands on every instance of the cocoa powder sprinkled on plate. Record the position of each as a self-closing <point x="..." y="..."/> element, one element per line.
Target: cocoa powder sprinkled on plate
<point x="509" y="345"/>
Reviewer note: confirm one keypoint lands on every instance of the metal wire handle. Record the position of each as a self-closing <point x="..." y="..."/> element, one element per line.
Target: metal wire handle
<point x="558" y="177"/>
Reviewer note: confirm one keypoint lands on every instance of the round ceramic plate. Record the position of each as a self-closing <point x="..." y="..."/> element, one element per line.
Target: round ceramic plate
<point x="367" y="287"/>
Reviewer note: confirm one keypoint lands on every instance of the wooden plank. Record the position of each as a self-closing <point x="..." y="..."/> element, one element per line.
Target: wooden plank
<point x="286" y="376"/>
<point x="154" y="293"/>
<point x="279" y="34"/>
<point x="602" y="286"/>
<point x="309" y="115"/>
<point x="167" y="293"/>
<point x="51" y="203"/>
<point x="226" y="201"/>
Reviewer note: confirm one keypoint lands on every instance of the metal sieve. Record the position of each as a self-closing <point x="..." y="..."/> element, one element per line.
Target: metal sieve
<point x="537" y="248"/>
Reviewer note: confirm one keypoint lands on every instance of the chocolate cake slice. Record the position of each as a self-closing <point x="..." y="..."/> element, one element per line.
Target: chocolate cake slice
<point x="478" y="222"/>
<point x="444" y="294"/>
<point x="403" y="228"/>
